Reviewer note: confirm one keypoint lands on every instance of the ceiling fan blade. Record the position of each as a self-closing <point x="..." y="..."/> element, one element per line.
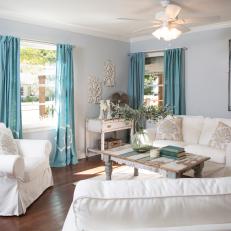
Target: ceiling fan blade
<point x="172" y="11"/>
<point x="182" y="28"/>
<point x="146" y="29"/>
<point x="128" y="19"/>
<point x="179" y="21"/>
<point x="138" y="20"/>
<point x="199" y="20"/>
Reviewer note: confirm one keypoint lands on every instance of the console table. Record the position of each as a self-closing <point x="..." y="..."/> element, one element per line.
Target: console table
<point x="102" y="127"/>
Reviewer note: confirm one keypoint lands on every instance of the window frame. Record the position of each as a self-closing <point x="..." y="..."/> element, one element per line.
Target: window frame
<point x="38" y="126"/>
<point x="160" y="85"/>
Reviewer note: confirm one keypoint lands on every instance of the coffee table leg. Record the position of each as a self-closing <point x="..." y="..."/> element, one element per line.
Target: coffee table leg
<point x="173" y="175"/>
<point x="136" y="172"/>
<point x="198" y="170"/>
<point x="108" y="167"/>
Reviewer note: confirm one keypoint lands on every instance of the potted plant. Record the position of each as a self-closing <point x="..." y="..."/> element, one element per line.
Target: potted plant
<point x="140" y="140"/>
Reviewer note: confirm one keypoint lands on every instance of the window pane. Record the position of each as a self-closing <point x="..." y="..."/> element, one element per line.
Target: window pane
<point x="37" y="70"/>
<point x="153" y="81"/>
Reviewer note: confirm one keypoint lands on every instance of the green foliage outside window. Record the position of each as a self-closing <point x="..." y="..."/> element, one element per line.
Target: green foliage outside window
<point x="30" y="99"/>
<point x="149" y="79"/>
<point x="37" y="56"/>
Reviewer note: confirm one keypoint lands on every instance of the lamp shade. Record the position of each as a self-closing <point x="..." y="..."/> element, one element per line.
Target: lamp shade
<point x="167" y="33"/>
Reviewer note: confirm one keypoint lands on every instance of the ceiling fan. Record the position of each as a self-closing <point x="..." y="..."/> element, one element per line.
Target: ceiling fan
<point x="167" y="22"/>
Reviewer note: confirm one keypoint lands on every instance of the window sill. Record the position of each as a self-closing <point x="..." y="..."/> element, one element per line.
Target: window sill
<point x="38" y="128"/>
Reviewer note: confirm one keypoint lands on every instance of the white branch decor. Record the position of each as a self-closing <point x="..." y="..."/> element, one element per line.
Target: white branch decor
<point x="109" y="74"/>
<point x="94" y="90"/>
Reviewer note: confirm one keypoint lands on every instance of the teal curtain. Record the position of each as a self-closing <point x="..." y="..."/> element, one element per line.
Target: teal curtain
<point x="65" y="153"/>
<point x="136" y="80"/>
<point x="10" y="102"/>
<point x="174" y="92"/>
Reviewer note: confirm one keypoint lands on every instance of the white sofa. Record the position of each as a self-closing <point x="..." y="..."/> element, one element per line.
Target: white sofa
<point x="197" y="132"/>
<point x="24" y="177"/>
<point x="151" y="205"/>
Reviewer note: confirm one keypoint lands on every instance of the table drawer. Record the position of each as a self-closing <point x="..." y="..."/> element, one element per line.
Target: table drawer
<point x="115" y="125"/>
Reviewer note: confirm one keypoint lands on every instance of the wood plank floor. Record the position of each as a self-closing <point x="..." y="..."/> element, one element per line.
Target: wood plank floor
<point x="49" y="211"/>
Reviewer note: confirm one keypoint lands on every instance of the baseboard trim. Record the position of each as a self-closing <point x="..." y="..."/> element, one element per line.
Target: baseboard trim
<point x="82" y="155"/>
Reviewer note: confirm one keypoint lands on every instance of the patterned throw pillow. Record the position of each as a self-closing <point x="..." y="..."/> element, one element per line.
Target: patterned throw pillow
<point x="221" y="137"/>
<point x="7" y="144"/>
<point x="169" y="129"/>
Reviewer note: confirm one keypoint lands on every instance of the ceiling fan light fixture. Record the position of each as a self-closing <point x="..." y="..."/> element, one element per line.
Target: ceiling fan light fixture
<point x="166" y="33"/>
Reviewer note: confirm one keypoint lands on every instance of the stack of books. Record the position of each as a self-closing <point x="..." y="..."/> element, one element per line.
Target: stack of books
<point x="172" y="152"/>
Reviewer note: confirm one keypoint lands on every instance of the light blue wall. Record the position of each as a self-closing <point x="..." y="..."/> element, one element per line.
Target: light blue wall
<point x="89" y="57"/>
<point x="206" y="69"/>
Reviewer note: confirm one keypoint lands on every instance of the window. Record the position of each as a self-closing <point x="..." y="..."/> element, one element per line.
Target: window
<point x="154" y="81"/>
<point x="37" y="73"/>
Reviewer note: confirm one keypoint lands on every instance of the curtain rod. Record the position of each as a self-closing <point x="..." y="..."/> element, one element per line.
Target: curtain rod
<point x="37" y="41"/>
<point x="40" y="41"/>
<point x="154" y="51"/>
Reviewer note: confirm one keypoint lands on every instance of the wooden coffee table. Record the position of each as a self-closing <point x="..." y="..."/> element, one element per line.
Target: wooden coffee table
<point x="165" y="166"/>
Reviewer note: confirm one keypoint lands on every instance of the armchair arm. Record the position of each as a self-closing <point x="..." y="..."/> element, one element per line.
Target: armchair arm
<point x="228" y="155"/>
<point x="34" y="147"/>
<point x="12" y="166"/>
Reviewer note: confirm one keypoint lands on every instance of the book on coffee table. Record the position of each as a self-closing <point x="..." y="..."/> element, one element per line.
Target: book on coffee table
<point x="175" y="157"/>
<point x="173" y="152"/>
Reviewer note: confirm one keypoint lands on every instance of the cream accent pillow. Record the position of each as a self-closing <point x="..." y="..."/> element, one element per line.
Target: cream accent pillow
<point x="7" y="144"/>
<point x="169" y="129"/>
<point x="221" y="137"/>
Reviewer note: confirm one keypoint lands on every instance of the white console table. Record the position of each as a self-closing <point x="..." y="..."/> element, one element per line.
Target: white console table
<point x="102" y="127"/>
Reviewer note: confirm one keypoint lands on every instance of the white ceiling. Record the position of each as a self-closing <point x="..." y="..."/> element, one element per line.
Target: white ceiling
<point x="99" y="17"/>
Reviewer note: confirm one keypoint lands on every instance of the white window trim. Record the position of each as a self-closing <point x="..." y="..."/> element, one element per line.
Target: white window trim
<point x="39" y="128"/>
<point x="154" y="54"/>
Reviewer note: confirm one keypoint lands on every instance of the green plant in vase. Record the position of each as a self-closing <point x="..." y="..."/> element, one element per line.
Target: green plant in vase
<point x="140" y="140"/>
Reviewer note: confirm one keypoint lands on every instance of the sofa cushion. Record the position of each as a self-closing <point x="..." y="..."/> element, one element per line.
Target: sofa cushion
<point x="34" y="167"/>
<point x="151" y="203"/>
<point x="191" y="128"/>
<point x="221" y="137"/>
<point x="169" y="128"/>
<point x="163" y="143"/>
<point x="216" y="155"/>
<point x="209" y="127"/>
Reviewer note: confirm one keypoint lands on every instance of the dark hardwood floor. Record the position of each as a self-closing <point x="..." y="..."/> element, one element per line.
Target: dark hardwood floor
<point x="49" y="211"/>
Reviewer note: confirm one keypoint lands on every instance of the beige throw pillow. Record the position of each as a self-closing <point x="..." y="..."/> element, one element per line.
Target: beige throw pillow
<point x="7" y="144"/>
<point x="169" y="129"/>
<point x="221" y="137"/>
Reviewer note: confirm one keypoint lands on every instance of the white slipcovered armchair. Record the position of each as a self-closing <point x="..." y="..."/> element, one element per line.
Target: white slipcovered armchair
<point x="24" y="177"/>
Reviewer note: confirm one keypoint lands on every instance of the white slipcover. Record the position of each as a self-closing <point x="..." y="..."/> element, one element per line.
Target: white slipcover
<point x="24" y="177"/>
<point x="197" y="132"/>
<point x="209" y="127"/>
<point x="182" y="204"/>
<point x="163" y="143"/>
<point x="191" y="128"/>
<point x="216" y="155"/>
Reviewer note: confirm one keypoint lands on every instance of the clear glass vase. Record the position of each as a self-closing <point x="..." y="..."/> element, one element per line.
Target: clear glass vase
<point x="141" y="142"/>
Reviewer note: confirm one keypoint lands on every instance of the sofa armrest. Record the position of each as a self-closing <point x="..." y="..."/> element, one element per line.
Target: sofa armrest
<point x="34" y="147"/>
<point x="151" y="203"/>
<point x="228" y="155"/>
<point x="12" y="166"/>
